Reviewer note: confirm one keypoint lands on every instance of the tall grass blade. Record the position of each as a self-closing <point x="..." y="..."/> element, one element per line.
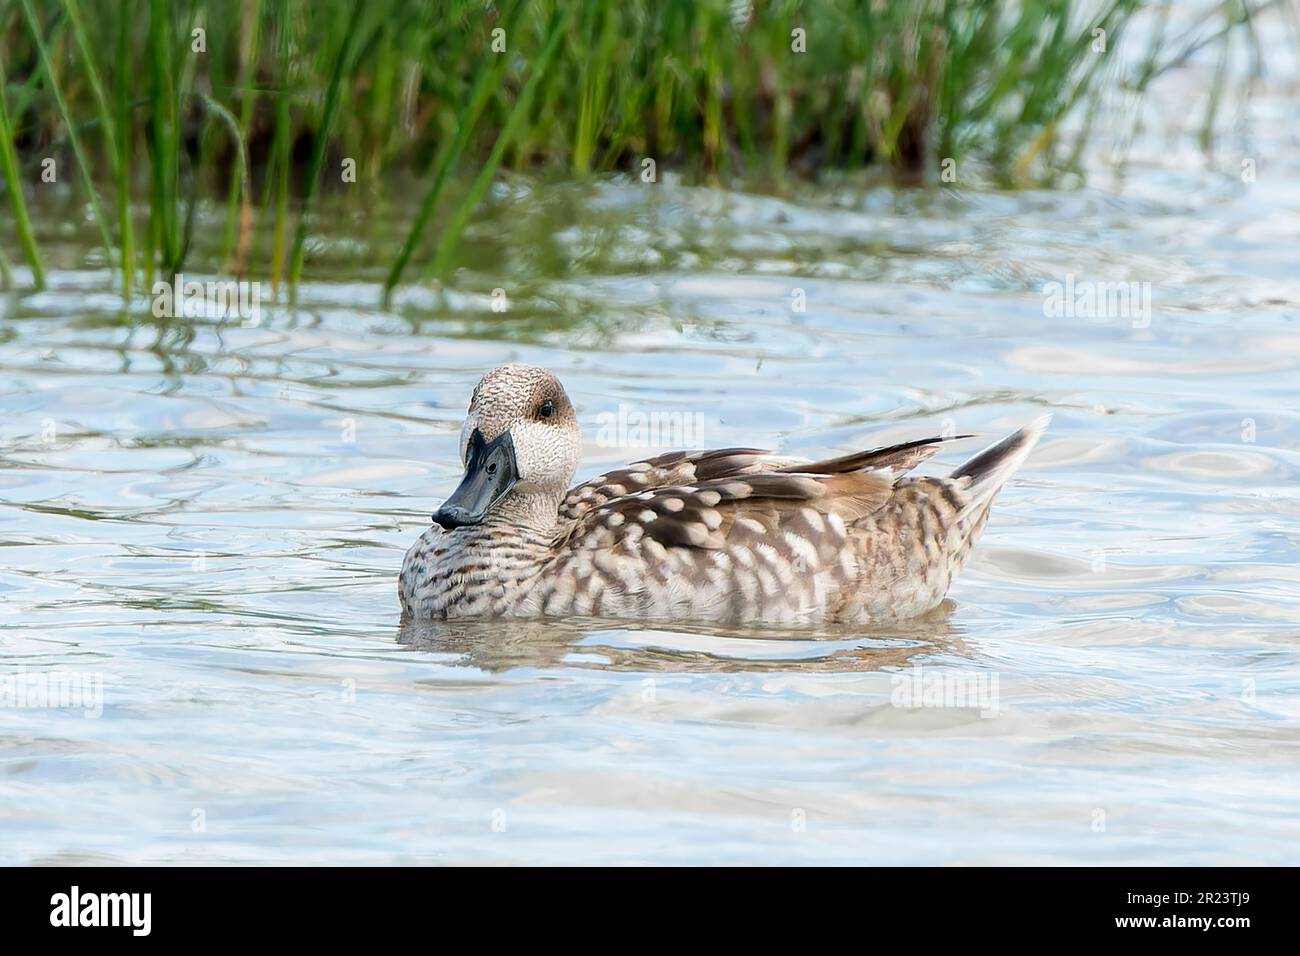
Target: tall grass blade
<point x="164" y="229"/>
<point x="118" y="152"/>
<point x="451" y="236"/>
<point x="83" y="164"/>
<point x="488" y="83"/>
<point x="122" y="118"/>
<point x="14" y="185"/>
<point x="319" y="141"/>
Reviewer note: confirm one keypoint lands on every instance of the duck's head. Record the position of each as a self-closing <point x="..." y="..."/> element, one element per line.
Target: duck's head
<point x="520" y="447"/>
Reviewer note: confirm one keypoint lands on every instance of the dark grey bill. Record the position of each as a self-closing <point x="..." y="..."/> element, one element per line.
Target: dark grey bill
<point x="490" y="473"/>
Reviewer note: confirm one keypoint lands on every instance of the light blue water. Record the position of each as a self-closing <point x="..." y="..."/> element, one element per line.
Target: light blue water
<point x="211" y="523"/>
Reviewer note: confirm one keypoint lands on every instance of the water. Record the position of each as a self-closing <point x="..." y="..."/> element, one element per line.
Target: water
<point x="210" y="519"/>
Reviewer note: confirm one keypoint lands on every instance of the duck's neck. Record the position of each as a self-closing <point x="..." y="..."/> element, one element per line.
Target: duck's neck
<point x="533" y="511"/>
<point x="486" y="569"/>
<point x="515" y="536"/>
<point x="490" y="568"/>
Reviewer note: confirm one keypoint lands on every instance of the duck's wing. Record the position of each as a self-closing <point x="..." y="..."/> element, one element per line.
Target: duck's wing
<point x="712" y="499"/>
<point x="678" y="468"/>
<point x="673" y="469"/>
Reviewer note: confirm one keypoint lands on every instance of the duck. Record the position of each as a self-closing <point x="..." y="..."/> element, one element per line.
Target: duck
<point x="733" y="536"/>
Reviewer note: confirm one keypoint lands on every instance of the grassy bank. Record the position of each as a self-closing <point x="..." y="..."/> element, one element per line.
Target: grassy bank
<point x="148" y="107"/>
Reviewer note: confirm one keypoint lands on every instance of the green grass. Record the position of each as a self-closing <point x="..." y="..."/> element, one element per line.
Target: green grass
<point x="260" y="122"/>
<point x="14" y="186"/>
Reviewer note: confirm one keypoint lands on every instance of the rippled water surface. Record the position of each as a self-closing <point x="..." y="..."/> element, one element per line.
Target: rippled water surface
<point x="210" y="519"/>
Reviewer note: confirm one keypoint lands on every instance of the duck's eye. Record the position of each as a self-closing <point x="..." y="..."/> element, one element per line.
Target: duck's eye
<point x="546" y="409"/>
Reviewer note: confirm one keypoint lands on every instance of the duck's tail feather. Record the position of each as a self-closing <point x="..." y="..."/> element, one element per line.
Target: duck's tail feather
<point x="989" y="470"/>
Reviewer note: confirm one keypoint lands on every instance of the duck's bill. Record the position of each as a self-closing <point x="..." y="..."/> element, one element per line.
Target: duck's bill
<point x="490" y="473"/>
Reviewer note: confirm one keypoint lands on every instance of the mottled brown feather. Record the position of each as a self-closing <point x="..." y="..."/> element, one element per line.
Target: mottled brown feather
<point x="694" y="467"/>
<point x="672" y="468"/>
<point x="851" y="486"/>
<point x="705" y="515"/>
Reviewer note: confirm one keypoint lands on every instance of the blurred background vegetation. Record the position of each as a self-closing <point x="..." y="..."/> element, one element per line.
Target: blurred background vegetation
<point x="151" y="108"/>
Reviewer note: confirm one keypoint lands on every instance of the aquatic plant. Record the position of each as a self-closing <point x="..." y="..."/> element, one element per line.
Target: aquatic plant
<point x="260" y="105"/>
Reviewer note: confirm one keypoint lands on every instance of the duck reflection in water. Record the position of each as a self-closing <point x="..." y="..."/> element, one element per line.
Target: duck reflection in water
<point x="592" y="643"/>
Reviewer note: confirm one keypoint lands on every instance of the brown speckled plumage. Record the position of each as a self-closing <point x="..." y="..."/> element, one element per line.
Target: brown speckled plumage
<point x="734" y="535"/>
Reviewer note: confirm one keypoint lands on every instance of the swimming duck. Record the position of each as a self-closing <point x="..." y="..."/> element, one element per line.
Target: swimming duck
<point x="734" y="535"/>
